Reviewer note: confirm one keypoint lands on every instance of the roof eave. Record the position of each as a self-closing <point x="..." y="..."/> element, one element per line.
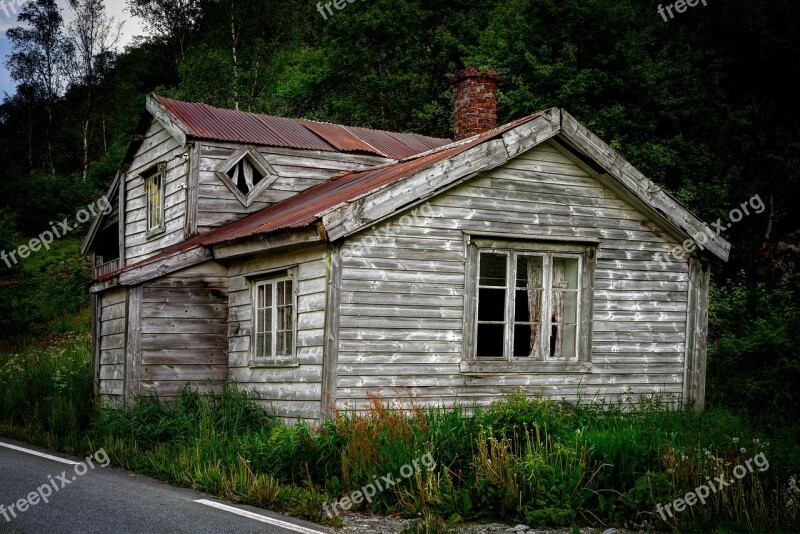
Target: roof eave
<point x="495" y="150"/>
<point x="171" y="123"/>
<point x="375" y="206"/>
<point x="258" y="244"/>
<point x="664" y="208"/>
<point x="94" y="229"/>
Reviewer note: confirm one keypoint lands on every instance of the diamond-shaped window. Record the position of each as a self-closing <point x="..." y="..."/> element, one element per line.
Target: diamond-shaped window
<point x="247" y="174"/>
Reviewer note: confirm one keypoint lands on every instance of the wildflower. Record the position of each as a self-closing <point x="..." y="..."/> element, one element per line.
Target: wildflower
<point x="743" y="450"/>
<point x="755" y="440"/>
<point x="736" y="440"/>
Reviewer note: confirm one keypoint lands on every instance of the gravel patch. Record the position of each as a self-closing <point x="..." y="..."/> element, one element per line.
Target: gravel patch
<point x="355" y="523"/>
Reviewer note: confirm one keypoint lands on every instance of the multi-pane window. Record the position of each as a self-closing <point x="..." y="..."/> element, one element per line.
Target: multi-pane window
<point x="154" y="192"/>
<point x="273" y="306"/>
<point x="528" y="305"/>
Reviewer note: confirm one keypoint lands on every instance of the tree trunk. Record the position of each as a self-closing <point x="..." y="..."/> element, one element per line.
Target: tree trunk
<point x="235" y="62"/>
<point x="85" y="148"/>
<point x="49" y="141"/>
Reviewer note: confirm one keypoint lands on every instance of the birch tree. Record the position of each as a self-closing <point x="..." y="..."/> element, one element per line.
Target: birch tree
<point x="170" y="20"/>
<point x="37" y="62"/>
<point x="92" y="37"/>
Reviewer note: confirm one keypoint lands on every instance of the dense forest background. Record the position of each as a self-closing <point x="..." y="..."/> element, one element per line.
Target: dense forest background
<point x="705" y="104"/>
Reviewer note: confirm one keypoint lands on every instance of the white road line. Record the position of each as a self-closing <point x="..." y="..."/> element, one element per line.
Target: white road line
<point x="259" y="517"/>
<point x="37" y="453"/>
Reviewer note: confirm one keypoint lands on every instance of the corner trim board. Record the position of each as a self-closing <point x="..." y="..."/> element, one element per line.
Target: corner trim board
<point x="330" y="355"/>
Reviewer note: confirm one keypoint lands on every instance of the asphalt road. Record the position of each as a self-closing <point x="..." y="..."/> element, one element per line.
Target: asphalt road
<point x="105" y="500"/>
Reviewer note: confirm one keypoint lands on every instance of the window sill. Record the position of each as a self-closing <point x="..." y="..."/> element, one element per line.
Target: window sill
<point x="287" y="364"/>
<point x="154" y="232"/>
<point x="482" y="368"/>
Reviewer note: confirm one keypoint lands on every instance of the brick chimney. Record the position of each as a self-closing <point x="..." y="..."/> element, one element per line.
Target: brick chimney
<point x="475" y="95"/>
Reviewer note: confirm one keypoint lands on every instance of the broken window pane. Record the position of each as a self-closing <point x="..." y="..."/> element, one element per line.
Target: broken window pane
<point x="526" y="340"/>
<point x="528" y="305"/>
<point x="493" y="269"/>
<point x="491" y="304"/>
<point x="245" y="176"/>
<point x="491" y="340"/>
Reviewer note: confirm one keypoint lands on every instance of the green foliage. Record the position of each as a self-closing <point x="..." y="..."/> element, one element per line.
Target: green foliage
<point x="754" y="353"/>
<point x="45" y="292"/>
<point x="47" y="391"/>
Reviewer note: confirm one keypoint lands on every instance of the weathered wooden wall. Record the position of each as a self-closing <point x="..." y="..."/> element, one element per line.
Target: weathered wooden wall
<point x="402" y="300"/>
<point x="112" y="327"/>
<point x="298" y="170"/>
<point x="292" y="392"/>
<point x="158" y="147"/>
<point x="694" y="388"/>
<point x="183" y="331"/>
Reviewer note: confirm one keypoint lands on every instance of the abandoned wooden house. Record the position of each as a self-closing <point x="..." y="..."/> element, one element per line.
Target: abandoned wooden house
<point x="313" y="264"/>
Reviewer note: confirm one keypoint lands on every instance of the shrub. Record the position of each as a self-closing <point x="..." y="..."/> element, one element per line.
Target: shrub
<point x="754" y="348"/>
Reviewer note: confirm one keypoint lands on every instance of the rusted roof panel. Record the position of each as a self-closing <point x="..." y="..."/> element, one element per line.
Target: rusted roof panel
<point x="386" y="142"/>
<point x="341" y="137"/>
<point x="207" y="122"/>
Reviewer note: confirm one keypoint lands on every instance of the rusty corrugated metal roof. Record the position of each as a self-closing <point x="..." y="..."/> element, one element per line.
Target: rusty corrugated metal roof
<point x="304" y="209"/>
<point x="339" y="137"/>
<point x="206" y="122"/>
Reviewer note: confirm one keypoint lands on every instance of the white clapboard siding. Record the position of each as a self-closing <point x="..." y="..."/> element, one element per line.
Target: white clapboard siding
<point x="158" y="147"/>
<point x="297" y="171"/>
<point x="292" y="392"/>
<point x="112" y="315"/>
<point x="402" y="296"/>
<point x="184" y="331"/>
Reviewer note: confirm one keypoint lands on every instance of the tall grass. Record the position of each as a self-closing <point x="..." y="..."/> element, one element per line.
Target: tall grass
<point x="542" y="462"/>
<point x="46" y="390"/>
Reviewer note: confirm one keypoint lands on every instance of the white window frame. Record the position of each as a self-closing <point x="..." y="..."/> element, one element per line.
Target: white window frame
<point x="157" y="172"/>
<point x="273" y="279"/>
<point x="586" y="254"/>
